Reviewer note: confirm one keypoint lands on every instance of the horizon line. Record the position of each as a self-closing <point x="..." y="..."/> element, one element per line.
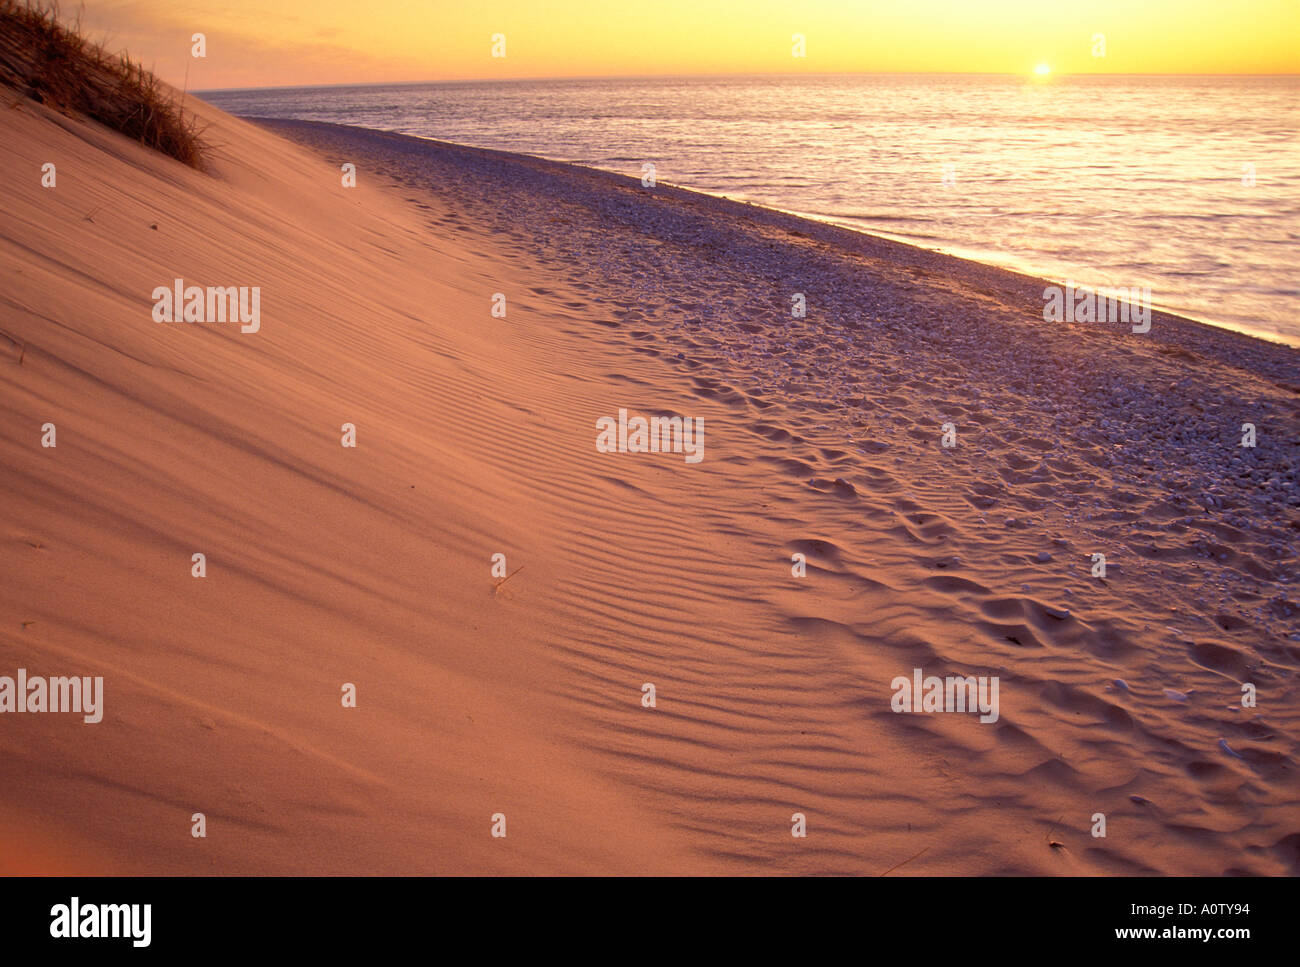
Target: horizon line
<point x="750" y="74"/>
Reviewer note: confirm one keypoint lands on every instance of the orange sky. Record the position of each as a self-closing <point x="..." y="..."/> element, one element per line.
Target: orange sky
<point x="254" y="43"/>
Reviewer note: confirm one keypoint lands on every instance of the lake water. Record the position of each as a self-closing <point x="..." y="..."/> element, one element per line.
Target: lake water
<point x="1188" y="185"/>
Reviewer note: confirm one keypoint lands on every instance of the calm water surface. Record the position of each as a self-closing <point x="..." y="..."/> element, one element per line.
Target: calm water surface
<point x="1189" y="185"/>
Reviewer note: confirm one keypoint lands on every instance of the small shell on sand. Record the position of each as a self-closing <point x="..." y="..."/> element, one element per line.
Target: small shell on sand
<point x="1223" y="744"/>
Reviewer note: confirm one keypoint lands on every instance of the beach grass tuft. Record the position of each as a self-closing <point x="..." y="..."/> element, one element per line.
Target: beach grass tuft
<point x="55" y="64"/>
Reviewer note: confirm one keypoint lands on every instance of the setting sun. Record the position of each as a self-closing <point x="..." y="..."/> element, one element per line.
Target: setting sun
<point x="308" y="42"/>
<point x="1042" y="70"/>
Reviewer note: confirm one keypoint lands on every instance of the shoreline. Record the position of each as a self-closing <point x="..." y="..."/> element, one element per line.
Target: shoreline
<point x="1023" y="272"/>
<point x="1029" y="272"/>
<point x="1180" y="331"/>
<point x="906" y="252"/>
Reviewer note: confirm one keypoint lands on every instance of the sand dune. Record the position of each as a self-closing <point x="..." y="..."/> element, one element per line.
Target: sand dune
<point x="475" y="436"/>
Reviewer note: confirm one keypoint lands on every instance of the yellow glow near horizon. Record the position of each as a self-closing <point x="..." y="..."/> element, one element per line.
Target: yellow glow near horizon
<point x="307" y="42"/>
<point x="1042" y="70"/>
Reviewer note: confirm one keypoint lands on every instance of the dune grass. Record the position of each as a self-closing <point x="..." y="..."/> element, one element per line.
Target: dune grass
<point x="53" y="63"/>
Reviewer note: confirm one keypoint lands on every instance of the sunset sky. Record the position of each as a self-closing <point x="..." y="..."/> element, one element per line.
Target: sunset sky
<point x="251" y="43"/>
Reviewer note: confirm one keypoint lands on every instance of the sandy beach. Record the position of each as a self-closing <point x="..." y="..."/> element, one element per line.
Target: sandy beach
<point x="475" y="435"/>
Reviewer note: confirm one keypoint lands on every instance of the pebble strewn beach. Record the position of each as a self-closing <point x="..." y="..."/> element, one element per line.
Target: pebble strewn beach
<point x="1078" y="435"/>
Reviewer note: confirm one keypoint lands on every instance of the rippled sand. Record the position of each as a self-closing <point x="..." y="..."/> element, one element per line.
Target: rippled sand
<point x="372" y="566"/>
